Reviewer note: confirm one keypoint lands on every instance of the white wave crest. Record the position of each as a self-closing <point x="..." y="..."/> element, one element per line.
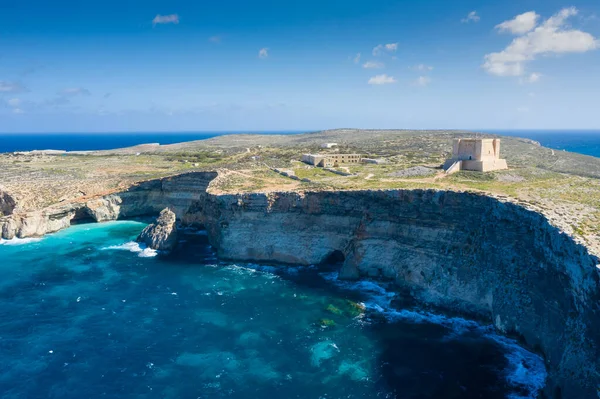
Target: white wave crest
<point x="142" y="250"/>
<point x="270" y="271"/>
<point x="525" y="369"/>
<point x="20" y="241"/>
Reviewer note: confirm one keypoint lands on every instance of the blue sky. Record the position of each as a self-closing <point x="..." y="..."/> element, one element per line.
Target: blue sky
<point x="82" y="66"/>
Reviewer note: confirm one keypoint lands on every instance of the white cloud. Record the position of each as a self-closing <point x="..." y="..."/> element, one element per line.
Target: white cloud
<point x="523" y="110"/>
<point x="165" y="19"/>
<point x="422" y="67"/>
<point x="11" y="87"/>
<point x="472" y="17"/>
<point x="534" y="77"/>
<point x="18" y="111"/>
<point x="553" y="36"/>
<point x="382" y="80"/>
<point x="381" y="48"/>
<point x="520" y="24"/>
<point x="215" y="39"/>
<point x="357" y="58"/>
<point x="422" y="81"/>
<point x="14" y="102"/>
<point x="263" y="53"/>
<point x="373" y="65"/>
<point x="74" y="91"/>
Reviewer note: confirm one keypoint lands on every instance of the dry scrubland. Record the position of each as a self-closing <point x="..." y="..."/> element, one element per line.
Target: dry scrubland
<point x="564" y="186"/>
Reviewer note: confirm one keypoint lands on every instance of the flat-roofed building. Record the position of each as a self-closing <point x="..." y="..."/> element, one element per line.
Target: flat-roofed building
<point x="330" y="160"/>
<point x="481" y="155"/>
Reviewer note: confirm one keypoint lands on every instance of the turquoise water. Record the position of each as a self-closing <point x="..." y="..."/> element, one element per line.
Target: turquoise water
<point x="86" y="313"/>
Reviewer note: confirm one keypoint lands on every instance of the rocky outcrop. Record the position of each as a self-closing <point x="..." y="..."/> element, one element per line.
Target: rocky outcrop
<point x="37" y="224"/>
<point x="161" y="235"/>
<point x="466" y="252"/>
<point x="183" y="194"/>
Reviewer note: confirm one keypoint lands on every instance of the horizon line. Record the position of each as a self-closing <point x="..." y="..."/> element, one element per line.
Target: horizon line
<point x="259" y="131"/>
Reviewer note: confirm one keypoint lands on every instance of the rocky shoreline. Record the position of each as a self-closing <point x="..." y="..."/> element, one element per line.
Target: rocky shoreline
<point x="471" y="253"/>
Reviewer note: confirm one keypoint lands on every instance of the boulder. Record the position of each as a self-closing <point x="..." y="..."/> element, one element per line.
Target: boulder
<point x="7" y="203"/>
<point x="161" y="235"/>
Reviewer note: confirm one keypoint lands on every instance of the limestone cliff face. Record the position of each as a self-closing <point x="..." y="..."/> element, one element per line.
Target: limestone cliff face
<point x="161" y="235"/>
<point x="36" y="224"/>
<point x="467" y="252"/>
<point x="470" y="253"/>
<point x="182" y="193"/>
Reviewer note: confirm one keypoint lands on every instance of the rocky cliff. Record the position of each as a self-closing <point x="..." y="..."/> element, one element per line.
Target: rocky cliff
<point x="466" y="252"/>
<point x="181" y="193"/>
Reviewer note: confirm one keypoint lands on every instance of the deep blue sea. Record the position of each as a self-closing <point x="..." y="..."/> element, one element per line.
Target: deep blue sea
<point x="585" y="142"/>
<point x="581" y="141"/>
<point x="88" y="313"/>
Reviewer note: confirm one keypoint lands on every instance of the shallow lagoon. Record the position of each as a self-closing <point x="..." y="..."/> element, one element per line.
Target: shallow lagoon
<point x="87" y="313"/>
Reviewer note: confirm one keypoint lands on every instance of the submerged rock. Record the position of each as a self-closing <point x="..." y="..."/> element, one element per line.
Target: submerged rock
<point x="161" y="235"/>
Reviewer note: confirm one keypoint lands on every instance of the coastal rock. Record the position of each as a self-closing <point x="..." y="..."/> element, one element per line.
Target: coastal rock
<point x="185" y="194"/>
<point x="161" y="235"/>
<point x="7" y="203"/>
<point x="104" y="209"/>
<point x="9" y="229"/>
<point x="36" y="224"/>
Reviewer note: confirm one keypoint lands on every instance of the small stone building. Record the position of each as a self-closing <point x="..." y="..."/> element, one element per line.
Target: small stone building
<point x="330" y="160"/>
<point x="481" y="155"/>
<point x="329" y="145"/>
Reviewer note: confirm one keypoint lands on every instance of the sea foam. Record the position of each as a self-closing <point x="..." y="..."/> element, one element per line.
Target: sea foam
<point x="135" y="247"/>
<point x="525" y="370"/>
<point x="20" y="241"/>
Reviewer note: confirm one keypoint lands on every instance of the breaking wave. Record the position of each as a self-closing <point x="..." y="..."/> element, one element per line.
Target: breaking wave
<point x="142" y="250"/>
<point x="525" y="370"/>
<point x="20" y="241"/>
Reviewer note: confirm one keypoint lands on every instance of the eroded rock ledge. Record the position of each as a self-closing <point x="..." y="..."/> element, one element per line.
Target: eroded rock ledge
<point x="467" y="252"/>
